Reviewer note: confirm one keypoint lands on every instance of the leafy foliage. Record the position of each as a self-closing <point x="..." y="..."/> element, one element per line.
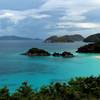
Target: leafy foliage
<point x="76" y="89"/>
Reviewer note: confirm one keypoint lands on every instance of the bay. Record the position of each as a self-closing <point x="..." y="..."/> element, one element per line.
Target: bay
<point x="38" y="71"/>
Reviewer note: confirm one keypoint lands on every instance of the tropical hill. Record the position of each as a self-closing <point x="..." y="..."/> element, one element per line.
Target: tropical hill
<point x="90" y="48"/>
<point x="93" y="38"/>
<point x="65" y="38"/>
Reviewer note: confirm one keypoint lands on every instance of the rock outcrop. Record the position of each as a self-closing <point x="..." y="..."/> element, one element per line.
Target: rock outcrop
<point x="90" y="48"/>
<point x="63" y="54"/>
<point x="37" y="52"/>
<point x="41" y="52"/>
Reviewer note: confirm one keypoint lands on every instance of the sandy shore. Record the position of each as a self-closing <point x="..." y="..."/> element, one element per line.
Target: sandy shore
<point x="98" y="57"/>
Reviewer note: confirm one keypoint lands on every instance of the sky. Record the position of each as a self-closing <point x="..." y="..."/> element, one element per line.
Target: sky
<point x="43" y="18"/>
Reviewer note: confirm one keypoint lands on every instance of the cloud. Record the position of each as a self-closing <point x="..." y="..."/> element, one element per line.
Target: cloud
<point x="74" y="15"/>
<point x="82" y="25"/>
<point x="87" y="25"/>
<point x="16" y="16"/>
<point x="52" y="17"/>
<point x="71" y="5"/>
<point x="75" y="10"/>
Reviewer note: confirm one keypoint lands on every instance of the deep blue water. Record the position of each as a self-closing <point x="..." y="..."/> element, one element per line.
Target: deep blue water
<point x="38" y="71"/>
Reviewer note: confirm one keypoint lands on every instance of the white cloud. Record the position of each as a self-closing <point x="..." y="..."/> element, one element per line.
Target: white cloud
<point x="70" y="4"/>
<point x="74" y="9"/>
<point x="54" y="4"/>
<point x="82" y="25"/>
<point x="72" y="18"/>
<point x="72" y="14"/>
<point x="15" y="16"/>
<point x="40" y="16"/>
<point x="88" y="25"/>
<point x="12" y="16"/>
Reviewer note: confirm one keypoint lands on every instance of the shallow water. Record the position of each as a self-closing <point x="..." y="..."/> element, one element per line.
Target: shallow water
<point x="16" y="68"/>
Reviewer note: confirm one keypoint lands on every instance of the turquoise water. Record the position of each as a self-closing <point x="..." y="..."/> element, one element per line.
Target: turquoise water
<point x="39" y="71"/>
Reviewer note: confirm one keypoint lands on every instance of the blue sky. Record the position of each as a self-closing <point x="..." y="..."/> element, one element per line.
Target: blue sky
<point x="43" y="18"/>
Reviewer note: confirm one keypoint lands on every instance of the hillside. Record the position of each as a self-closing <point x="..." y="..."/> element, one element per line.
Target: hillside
<point x="65" y="38"/>
<point x="93" y="38"/>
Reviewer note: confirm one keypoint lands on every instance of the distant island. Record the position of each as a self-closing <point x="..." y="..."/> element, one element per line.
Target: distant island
<point x="93" y="38"/>
<point x="64" y="39"/>
<point x="14" y="38"/>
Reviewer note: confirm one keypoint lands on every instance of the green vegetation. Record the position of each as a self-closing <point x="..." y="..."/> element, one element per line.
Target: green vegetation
<point x="76" y="89"/>
<point x="65" y="38"/>
<point x="90" y="48"/>
<point x="93" y="38"/>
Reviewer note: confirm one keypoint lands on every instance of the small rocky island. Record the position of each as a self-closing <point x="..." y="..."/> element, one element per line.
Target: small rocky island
<point x="41" y="52"/>
<point x="90" y="48"/>
<point x="63" y="54"/>
<point x="37" y="52"/>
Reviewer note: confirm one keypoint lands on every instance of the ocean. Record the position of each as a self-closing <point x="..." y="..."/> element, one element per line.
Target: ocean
<point x="39" y="71"/>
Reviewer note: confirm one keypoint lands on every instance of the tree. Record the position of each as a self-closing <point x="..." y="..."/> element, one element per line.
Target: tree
<point x="4" y="94"/>
<point x="24" y="92"/>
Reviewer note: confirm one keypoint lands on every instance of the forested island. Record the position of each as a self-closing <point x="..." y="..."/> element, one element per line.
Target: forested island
<point x="64" y="39"/>
<point x="73" y="38"/>
<point x="90" y="48"/>
<point x="93" y="38"/>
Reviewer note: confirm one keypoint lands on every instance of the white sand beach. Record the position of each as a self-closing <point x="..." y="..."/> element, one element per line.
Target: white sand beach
<point x="98" y="57"/>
